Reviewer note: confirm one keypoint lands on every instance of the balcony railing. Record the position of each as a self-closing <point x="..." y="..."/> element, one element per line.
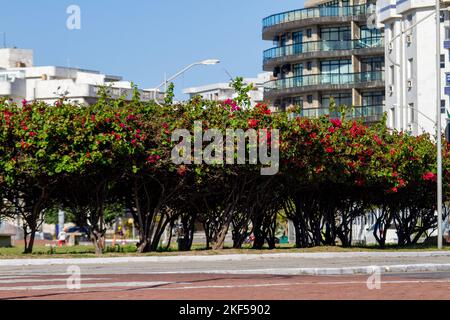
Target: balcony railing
<point x="324" y="79"/>
<point x="323" y="45"/>
<point x="307" y="13"/>
<point x="372" y="112"/>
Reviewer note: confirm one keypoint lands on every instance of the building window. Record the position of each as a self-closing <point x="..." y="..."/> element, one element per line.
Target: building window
<point x="335" y="34"/>
<point x="393" y="120"/>
<point x="309" y="98"/>
<point x="391" y="75"/>
<point x="410" y="69"/>
<point x="370" y="33"/>
<point x="372" y="64"/>
<point x="298" y="102"/>
<point x="443" y="106"/>
<point x="375" y="98"/>
<point x="336" y="66"/>
<point x="309" y="33"/>
<point x="412" y="113"/>
<point x="309" y="65"/>
<point x="298" y="70"/>
<point x="297" y="37"/>
<point x="340" y="99"/>
<point x="442" y="61"/>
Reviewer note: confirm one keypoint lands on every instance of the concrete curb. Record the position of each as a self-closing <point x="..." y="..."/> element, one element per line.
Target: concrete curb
<point x="236" y="257"/>
<point x="360" y="270"/>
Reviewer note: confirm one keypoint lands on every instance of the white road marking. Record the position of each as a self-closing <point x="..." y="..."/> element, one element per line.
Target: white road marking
<point x="45" y="280"/>
<point x="298" y="284"/>
<point x="85" y="286"/>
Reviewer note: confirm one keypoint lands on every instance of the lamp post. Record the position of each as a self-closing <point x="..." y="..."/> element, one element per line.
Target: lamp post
<point x="207" y="62"/>
<point x="439" y="123"/>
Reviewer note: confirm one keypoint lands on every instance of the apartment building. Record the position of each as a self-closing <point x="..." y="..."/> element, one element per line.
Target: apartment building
<point x="223" y="91"/>
<point x="20" y="79"/>
<point x="411" y="57"/>
<point x="330" y="51"/>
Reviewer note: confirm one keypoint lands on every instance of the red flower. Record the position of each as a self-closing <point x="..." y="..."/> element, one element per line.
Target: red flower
<point x="331" y="130"/>
<point x="32" y="134"/>
<point x="252" y="123"/>
<point x="93" y="118"/>
<point x="313" y="135"/>
<point x="394" y="190"/>
<point x="329" y="150"/>
<point x="181" y="171"/>
<point x="262" y="108"/>
<point x="378" y="140"/>
<point x="430" y="176"/>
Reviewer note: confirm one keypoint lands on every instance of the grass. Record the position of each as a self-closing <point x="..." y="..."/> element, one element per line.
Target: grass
<point x="130" y="251"/>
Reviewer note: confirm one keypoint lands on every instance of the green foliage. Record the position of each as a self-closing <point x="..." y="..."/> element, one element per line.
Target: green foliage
<point x="168" y="99"/>
<point x="242" y="90"/>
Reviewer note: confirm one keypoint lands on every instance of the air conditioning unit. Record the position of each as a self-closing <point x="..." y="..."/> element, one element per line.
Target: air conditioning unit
<point x="409" y="84"/>
<point x="409" y="39"/>
<point x="390" y="47"/>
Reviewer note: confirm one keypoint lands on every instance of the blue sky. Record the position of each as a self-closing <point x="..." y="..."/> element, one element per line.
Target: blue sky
<point x="143" y="39"/>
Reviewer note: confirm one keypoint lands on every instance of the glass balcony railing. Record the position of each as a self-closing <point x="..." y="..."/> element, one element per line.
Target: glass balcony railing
<point x="324" y="79"/>
<point x="324" y="45"/>
<point x="372" y="112"/>
<point x="307" y="13"/>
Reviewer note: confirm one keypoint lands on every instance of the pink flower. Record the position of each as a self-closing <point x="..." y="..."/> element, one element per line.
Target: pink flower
<point x="336" y="122"/>
<point x="24" y="102"/>
<point x="430" y="176"/>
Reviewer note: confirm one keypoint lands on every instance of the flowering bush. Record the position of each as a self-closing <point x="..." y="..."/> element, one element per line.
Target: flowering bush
<point x="331" y="172"/>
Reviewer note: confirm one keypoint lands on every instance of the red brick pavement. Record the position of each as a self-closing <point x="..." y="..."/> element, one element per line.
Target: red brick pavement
<point x="234" y="287"/>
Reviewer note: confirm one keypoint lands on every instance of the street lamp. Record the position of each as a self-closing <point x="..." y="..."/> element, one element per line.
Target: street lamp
<point x="208" y="62"/>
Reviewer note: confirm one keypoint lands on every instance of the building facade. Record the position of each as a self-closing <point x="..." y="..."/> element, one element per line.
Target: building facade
<point x="327" y="54"/>
<point x="20" y="79"/>
<point x="411" y="79"/>
<point x="223" y="91"/>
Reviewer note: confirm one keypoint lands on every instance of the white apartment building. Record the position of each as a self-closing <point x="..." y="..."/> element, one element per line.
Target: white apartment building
<point x="20" y="79"/>
<point x="411" y="63"/>
<point x="223" y="91"/>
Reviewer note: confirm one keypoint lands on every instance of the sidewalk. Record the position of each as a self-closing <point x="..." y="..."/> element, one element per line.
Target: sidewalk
<point x="348" y="263"/>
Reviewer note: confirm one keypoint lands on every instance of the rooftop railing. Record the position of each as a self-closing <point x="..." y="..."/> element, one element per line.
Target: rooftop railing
<point x="324" y="79"/>
<point x="323" y="45"/>
<point x="318" y="12"/>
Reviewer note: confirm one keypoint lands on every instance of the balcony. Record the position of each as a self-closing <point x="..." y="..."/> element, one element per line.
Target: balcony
<point x="367" y="113"/>
<point x="325" y="81"/>
<point x="298" y="18"/>
<point x="322" y="46"/>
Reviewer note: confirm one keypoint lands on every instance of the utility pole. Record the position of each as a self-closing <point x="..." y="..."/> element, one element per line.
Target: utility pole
<point x="439" y="122"/>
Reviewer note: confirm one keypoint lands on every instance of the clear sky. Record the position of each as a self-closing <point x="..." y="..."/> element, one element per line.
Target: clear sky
<point x="143" y="39"/>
